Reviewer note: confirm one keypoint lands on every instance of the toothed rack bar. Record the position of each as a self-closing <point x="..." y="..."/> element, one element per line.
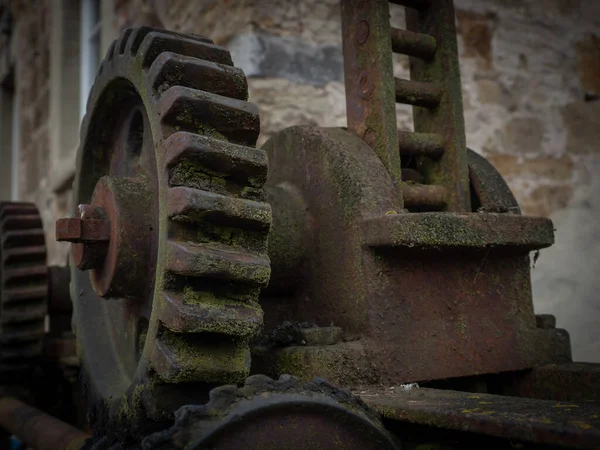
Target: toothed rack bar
<point x="442" y="89"/>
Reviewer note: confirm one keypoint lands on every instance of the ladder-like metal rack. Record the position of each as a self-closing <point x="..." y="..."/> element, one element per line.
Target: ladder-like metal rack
<point x="437" y="147"/>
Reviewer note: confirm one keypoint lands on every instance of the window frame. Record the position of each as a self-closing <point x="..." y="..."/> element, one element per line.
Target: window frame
<point x="90" y="47"/>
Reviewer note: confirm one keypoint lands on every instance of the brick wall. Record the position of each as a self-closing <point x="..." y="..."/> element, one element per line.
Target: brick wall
<point x="531" y="82"/>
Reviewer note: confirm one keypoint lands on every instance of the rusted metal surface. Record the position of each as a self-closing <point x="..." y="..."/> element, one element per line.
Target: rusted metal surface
<point x="428" y="296"/>
<point x="417" y="93"/>
<point x="166" y="154"/>
<point x="369" y="80"/>
<point x="569" y="382"/>
<point x="441" y="114"/>
<point x="82" y="231"/>
<point x="447" y="231"/>
<point x="492" y="194"/>
<point x="561" y="424"/>
<point x="421" y="144"/>
<point x="427" y="196"/>
<point x="37" y="429"/>
<point x="23" y="289"/>
<point x="413" y="44"/>
<point x="275" y="414"/>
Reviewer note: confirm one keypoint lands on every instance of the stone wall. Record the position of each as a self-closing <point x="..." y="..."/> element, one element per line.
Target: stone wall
<point x="32" y="70"/>
<point x="531" y="88"/>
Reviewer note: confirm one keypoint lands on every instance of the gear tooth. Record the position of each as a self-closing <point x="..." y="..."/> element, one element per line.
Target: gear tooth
<point x="221" y="392"/>
<point x="259" y="381"/>
<point x="170" y="69"/>
<point x="209" y="114"/>
<point x="190" y="205"/>
<point x="18" y="238"/>
<point x="100" y="70"/>
<point x="137" y="35"/>
<point x="224" y="263"/>
<point x="112" y="50"/>
<point x="24" y="332"/>
<point x="192" y="160"/>
<point x="18" y="295"/>
<point x="157" y="42"/>
<point x="16" y="208"/>
<point x="25" y="275"/>
<point x="21" y="351"/>
<point x="24" y="254"/>
<point x="200" y="312"/>
<point x="24" y="312"/>
<point x="122" y="42"/>
<point x="21" y="222"/>
<point x="179" y="358"/>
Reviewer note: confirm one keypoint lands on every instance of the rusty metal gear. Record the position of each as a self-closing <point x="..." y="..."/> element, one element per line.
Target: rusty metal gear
<point x="171" y="225"/>
<point x="275" y="414"/>
<point x="23" y="289"/>
<point x="489" y="190"/>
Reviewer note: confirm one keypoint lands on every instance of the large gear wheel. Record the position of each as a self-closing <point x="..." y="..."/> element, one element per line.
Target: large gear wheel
<point x="275" y="414"/>
<point x="23" y="290"/>
<point x="169" y="180"/>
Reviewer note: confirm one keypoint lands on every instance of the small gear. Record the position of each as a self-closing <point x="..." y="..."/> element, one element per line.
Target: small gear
<point x="23" y="289"/>
<point x="275" y="414"/>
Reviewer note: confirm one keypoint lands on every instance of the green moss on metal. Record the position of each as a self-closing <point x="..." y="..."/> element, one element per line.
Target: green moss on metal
<point x="192" y="296"/>
<point x="345" y="364"/>
<point x="193" y="175"/>
<point x="200" y="358"/>
<point x="221" y="313"/>
<point x="252" y="241"/>
<point x="208" y="131"/>
<point x="467" y="231"/>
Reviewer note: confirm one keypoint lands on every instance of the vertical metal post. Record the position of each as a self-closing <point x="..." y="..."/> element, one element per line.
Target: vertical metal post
<point x="369" y="79"/>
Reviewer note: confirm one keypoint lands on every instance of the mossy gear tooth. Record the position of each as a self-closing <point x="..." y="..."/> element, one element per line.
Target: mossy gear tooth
<point x="206" y="313"/>
<point x="157" y="42"/>
<point x="189" y="156"/>
<point x="215" y="116"/>
<point x="168" y="110"/>
<point x="198" y="74"/>
<point x="178" y="358"/>
<point x="223" y="262"/>
<point x="194" y="206"/>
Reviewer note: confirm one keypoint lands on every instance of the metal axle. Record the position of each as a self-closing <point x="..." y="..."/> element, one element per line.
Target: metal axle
<point x="37" y="429"/>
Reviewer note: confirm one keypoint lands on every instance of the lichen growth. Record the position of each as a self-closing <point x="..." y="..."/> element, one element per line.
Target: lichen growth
<point x="201" y="357"/>
<point x="238" y="238"/>
<point x="193" y="175"/>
